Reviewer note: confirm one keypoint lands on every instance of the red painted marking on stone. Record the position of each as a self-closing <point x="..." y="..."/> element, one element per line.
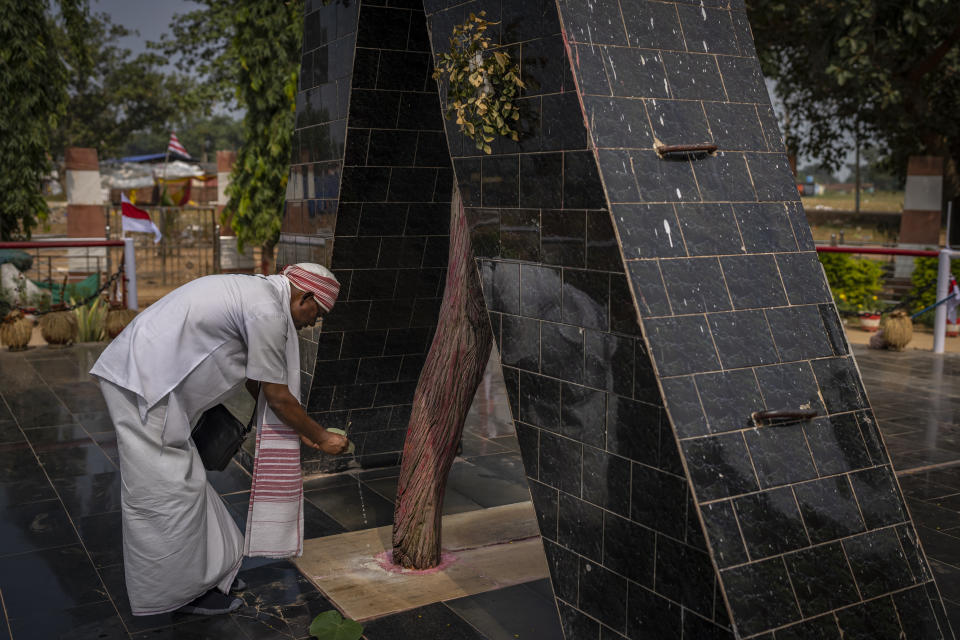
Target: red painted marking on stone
<point x="385" y="560"/>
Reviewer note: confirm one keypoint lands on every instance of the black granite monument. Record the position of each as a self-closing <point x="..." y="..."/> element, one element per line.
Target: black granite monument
<point x="652" y="306"/>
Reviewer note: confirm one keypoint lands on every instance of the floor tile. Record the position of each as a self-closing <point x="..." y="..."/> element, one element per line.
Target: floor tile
<point x="102" y="535"/>
<point x="114" y="581"/>
<point x="30" y="490"/>
<point x="95" y="422"/>
<point x="195" y="628"/>
<point x="277" y="584"/>
<point x="435" y="621"/>
<point x="17" y="463"/>
<point x="484" y="487"/>
<point x="37" y="407"/>
<point x="64" y="434"/>
<point x="49" y="580"/>
<point x="317" y="524"/>
<point x="62" y="370"/>
<point x="507" y="466"/>
<point x="922" y="488"/>
<point x="89" y="494"/>
<point x="930" y="514"/>
<point x="513" y="612"/>
<point x="10" y="432"/>
<point x="296" y="618"/>
<point x="353" y="506"/>
<point x="326" y="482"/>
<point x="230" y="480"/>
<point x="90" y="622"/>
<point x="473" y="445"/>
<point x="947" y="578"/>
<point x="35" y="526"/>
<point x="80" y="397"/>
<point x="953" y="615"/>
<point x="73" y="461"/>
<point x="940" y="546"/>
<point x="380" y="472"/>
<point x="542" y="587"/>
<point x="453" y="500"/>
<point x="507" y="442"/>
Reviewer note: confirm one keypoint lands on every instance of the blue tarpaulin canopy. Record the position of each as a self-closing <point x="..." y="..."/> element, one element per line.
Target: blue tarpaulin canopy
<point x="150" y="157"/>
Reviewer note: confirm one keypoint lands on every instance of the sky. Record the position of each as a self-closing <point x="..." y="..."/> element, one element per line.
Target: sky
<point x="150" y="17"/>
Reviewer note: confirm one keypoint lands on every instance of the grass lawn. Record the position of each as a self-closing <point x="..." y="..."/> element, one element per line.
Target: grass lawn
<point x="891" y="201"/>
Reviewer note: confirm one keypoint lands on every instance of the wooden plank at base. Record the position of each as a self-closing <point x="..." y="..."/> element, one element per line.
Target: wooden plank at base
<point x="486" y="549"/>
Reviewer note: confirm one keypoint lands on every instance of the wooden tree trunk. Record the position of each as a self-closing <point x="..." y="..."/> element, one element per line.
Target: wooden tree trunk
<point x="450" y="377"/>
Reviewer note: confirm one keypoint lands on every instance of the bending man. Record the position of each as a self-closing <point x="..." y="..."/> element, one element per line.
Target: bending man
<point x="181" y="356"/>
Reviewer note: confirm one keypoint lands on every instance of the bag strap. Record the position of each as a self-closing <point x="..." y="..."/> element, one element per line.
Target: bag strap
<point x="253" y="416"/>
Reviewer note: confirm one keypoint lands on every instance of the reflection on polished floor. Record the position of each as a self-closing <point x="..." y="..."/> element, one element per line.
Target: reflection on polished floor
<point x="61" y="571"/>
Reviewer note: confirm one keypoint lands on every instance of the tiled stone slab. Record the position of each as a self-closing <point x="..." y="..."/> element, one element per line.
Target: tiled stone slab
<point x="491" y="548"/>
<point x="371" y="182"/>
<point x="738" y="318"/>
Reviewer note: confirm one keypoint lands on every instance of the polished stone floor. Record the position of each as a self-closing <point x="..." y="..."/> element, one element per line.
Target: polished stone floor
<point x="61" y="571"/>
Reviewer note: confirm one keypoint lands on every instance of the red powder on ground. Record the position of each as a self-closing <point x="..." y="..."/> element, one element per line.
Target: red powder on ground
<point x="385" y="560"/>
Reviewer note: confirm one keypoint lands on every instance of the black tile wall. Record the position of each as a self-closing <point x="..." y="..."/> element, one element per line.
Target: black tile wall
<point x="316" y="163"/>
<point x="370" y="198"/>
<point x="620" y="527"/>
<point x="800" y="517"/>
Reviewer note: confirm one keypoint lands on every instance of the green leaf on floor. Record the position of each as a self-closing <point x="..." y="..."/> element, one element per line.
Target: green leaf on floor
<point x="330" y="625"/>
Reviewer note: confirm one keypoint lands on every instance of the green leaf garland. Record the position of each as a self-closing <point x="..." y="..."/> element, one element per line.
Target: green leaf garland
<point x="482" y="84"/>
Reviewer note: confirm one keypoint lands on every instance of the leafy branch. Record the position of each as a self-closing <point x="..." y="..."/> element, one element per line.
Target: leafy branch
<point x="481" y="88"/>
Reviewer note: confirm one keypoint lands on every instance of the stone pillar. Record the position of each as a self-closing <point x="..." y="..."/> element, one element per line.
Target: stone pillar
<point x="922" y="206"/>
<point x="371" y="179"/>
<point x="666" y="509"/>
<point x="85" y="215"/>
<point x="231" y="260"/>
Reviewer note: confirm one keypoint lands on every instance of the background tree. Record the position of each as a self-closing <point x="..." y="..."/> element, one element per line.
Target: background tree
<point x="198" y="134"/>
<point x="250" y="49"/>
<point x="33" y="85"/>
<point x="893" y="66"/>
<point x="113" y="96"/>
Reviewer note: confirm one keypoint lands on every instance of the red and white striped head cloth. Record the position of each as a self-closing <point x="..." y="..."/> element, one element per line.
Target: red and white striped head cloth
<point x="314" y="279"/>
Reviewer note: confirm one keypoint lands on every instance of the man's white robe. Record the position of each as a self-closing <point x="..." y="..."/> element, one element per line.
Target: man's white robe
<point x="179" y="357"/>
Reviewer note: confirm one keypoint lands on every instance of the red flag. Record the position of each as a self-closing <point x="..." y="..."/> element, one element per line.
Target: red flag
<point x="175" y="146"/>
<point x="136" y="219"/>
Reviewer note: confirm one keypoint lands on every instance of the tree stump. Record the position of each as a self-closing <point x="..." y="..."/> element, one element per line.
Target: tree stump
<point x="450" y="377"/>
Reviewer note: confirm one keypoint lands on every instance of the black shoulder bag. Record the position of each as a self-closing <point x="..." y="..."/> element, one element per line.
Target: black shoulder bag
<point x="218" y="435"/>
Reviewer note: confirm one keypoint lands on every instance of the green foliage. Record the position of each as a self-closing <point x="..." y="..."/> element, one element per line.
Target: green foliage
<point x="481" y="88"/>
<point x="330" y="625"/>
<point x="33" y="89"/>
<point x="90" y="320"/>
<point x="855" y="282"/>
<point x="267" y="43"/>
<point x="201" y="46"/>
<point x="248" y="51"/>
<point x="888" y="66"/>
<point x="924" y="281"/>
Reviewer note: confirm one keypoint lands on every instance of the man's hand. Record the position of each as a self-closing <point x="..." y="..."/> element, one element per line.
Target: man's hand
<point x="331" y="443"/>
<point x="291" y="412"/>
<point x="310" y="443"/>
